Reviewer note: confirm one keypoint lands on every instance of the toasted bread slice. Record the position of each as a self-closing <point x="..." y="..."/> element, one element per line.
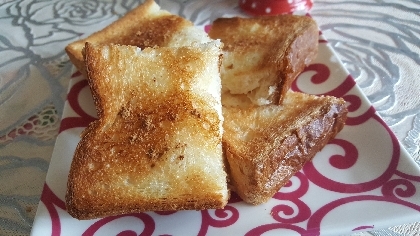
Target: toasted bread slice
<point x="145" y="26"/>
<point x="266" y="145"/>
<point x="157" y="144"/>
<point x="263" y="55"/>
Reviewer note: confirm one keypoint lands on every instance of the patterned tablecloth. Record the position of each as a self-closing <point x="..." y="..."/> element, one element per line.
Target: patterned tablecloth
<point x="377" y="41"/>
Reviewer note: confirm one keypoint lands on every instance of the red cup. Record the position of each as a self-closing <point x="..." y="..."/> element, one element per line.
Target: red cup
<point x="274" y="7"/>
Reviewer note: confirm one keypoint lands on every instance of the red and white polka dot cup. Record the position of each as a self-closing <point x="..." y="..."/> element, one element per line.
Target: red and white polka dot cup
<point x="274" y="7"/>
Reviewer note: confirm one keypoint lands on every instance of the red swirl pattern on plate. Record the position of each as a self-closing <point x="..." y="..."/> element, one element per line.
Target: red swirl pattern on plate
<point x="225" y="220"/>
<point x="149" y="225"/>
<point x="266" y="228"/>
<point x="302" y="188"/>
<point x="293" y="210"/>
<point x="394" y="188"/>
<point x="415" y="178"/>
<point x="51" y="201"/>
<point x="319" y="179"/>
<point x="322" y="74"/>
<point x="347" y="160"/>
<point x="298" y="206"/>
<point x="73" y="100"/>
<point x="351" y="151"/>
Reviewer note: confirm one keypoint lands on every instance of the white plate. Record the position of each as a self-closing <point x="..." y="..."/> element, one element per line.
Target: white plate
<point x="362" y="180"/>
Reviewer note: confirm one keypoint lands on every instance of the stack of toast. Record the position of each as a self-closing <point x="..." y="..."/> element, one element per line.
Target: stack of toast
<point x="269" y="131"/>
<point x="184" y="116"/>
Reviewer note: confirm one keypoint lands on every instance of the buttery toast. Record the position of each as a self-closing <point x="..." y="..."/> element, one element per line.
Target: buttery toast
<point x="266" y="145"/>
<point x="263" y="55"/>
<point x="145" y="26"/>
<point x="157" y="144"/>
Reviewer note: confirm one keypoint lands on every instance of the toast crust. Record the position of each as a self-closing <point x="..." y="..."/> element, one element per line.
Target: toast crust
<point x="144" y="26"/>
<point x="271" y="149"/>
<point x="157" y="144"/>
<point x="263" y="55"/>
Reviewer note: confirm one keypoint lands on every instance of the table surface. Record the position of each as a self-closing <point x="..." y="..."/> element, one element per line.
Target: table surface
<point x="377" y="41"/>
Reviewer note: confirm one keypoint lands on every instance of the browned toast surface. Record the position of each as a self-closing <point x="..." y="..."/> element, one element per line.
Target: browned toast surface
<point x="266" y="145"/>
<point x="145" y="26"/>
<point x="263" y="55"/>
<point x="157" y="144"/>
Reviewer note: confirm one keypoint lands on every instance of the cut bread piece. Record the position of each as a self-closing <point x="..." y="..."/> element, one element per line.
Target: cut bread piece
<point x="266" y="145"/>
<point x="263" y="55"/>
<point x="157" y="145"/>
<point x="145" y="26"/>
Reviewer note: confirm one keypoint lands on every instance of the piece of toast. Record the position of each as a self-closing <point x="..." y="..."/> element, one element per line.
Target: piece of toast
<point x="145" y="26"/>
<point x="263" y="55"/>
<point x="157" y="145"/>
<point x="266" y="145"/>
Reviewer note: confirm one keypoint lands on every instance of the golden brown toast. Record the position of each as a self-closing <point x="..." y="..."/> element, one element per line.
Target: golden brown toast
<point x="266" y="145"/>
<point x="157" y="144"/>
<point x="263" y="55"/>
<point x="145" y="26"/>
